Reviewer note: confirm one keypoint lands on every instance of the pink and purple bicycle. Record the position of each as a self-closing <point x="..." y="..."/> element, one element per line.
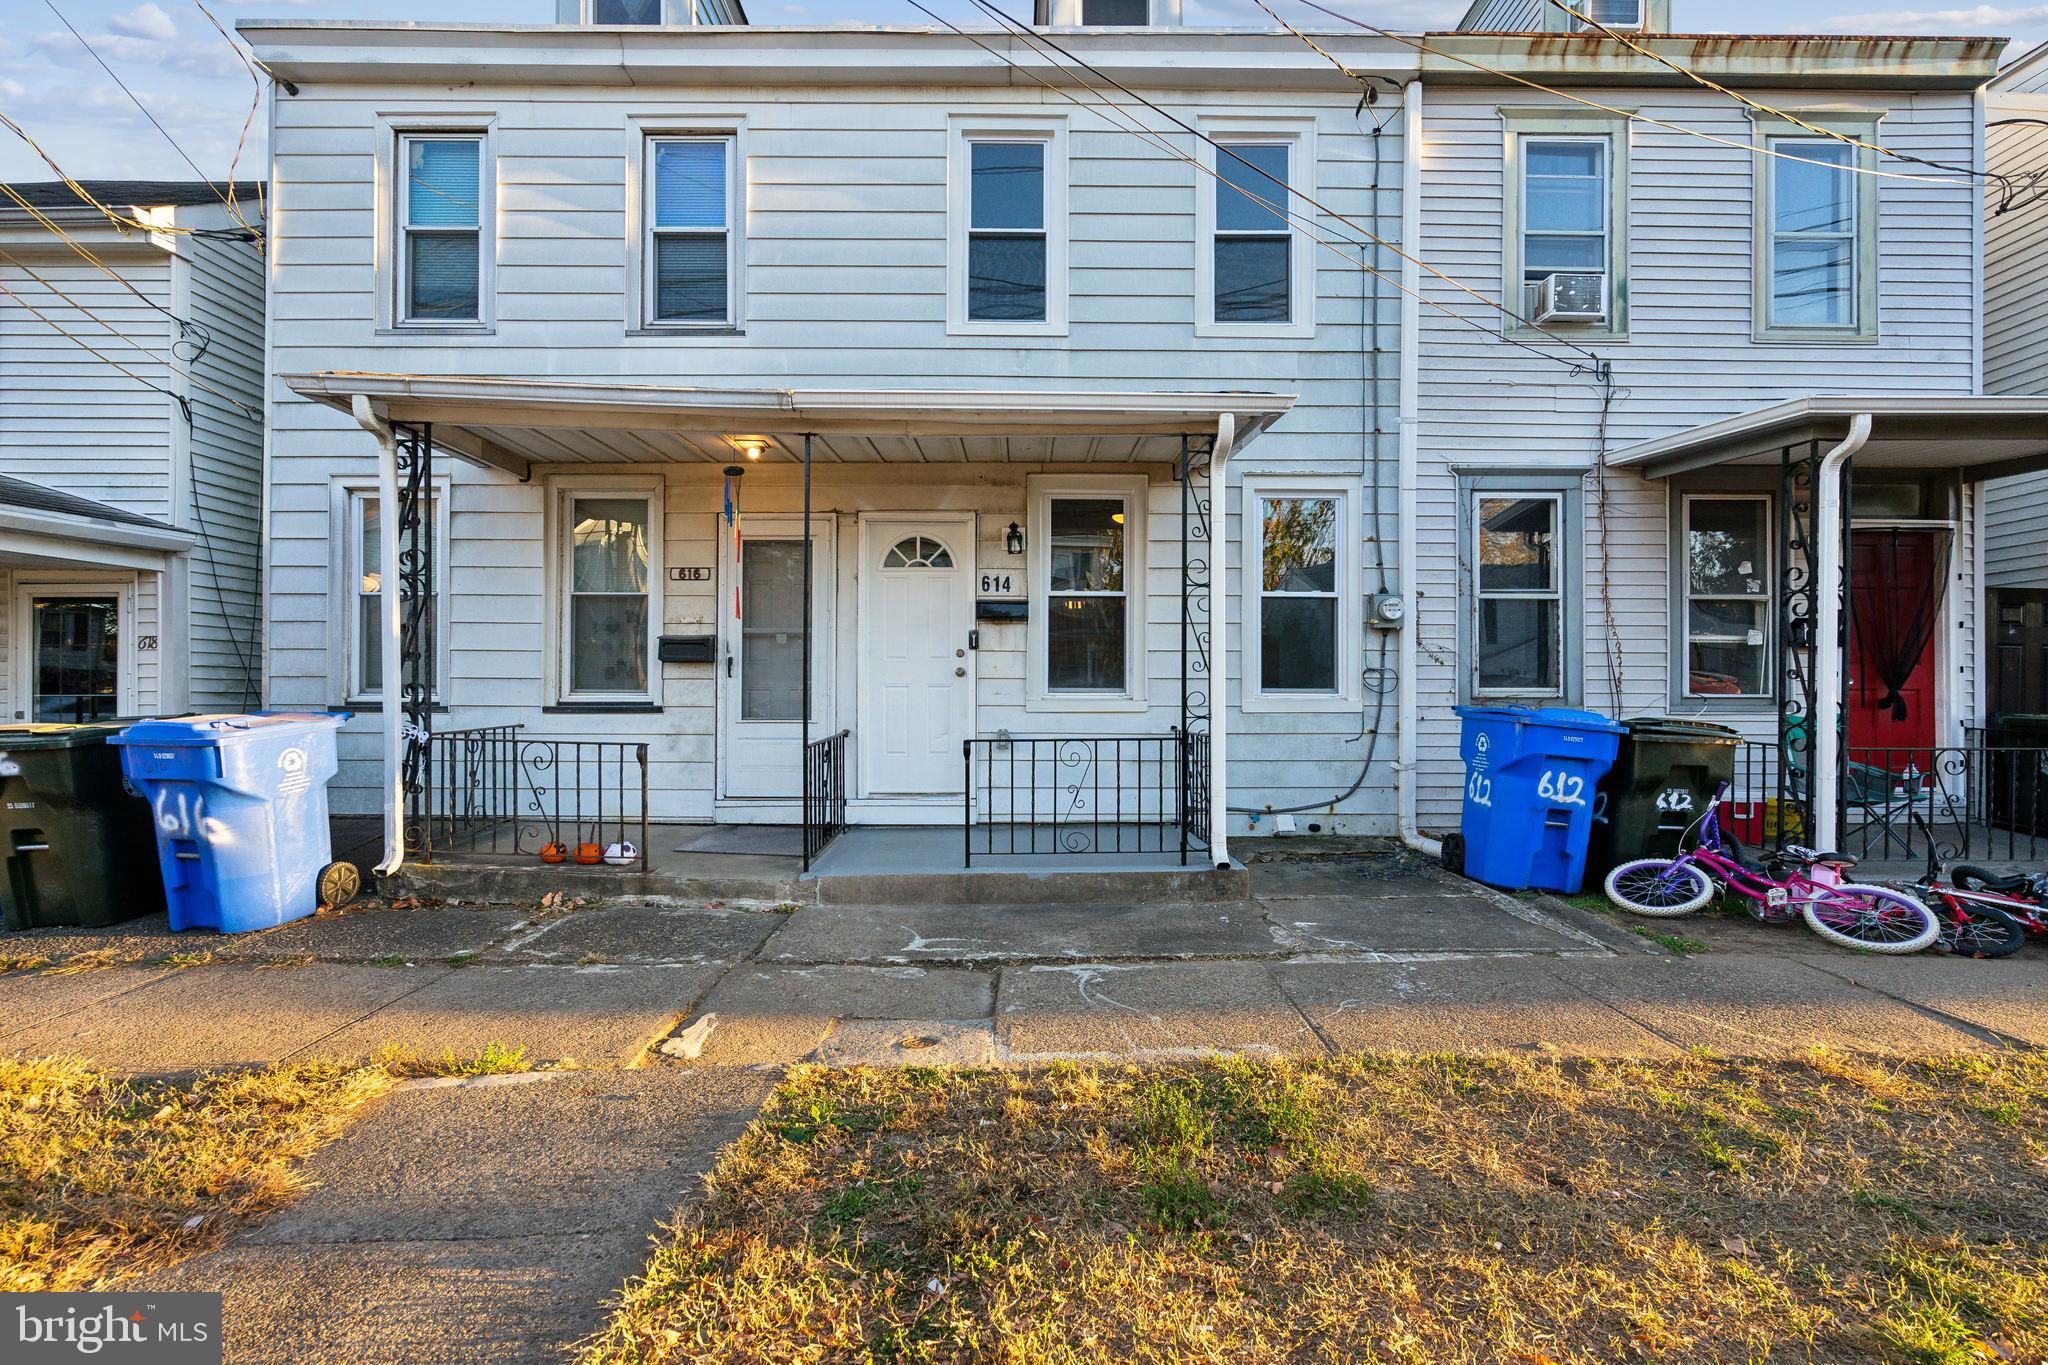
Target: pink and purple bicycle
<point x="1800" y="883"/>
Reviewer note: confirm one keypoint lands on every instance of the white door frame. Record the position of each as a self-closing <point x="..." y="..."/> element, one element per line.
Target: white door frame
<point x="26" y="589"/>
<point x="960" y="531"/>
<point x="824" y="598"/>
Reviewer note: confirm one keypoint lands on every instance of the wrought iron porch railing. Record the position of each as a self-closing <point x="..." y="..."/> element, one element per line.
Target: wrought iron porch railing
<point x="1086" y="794"/>
<point x="824" y="793"/>
<point x="1976" y="801"/>
<point x="495" y="789"/>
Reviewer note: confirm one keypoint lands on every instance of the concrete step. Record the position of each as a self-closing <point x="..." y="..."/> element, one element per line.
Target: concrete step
<point x="527" y="881"/>
<point x="1079" y="886"/>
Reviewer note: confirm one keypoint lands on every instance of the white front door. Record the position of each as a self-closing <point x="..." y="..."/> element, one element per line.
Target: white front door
<point x="75" y="651"/>
<point x="760" y="666"/>
<point x="917" y="674"/>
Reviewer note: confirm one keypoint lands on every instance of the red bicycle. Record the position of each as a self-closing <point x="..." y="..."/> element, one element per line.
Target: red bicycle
<point x="1985" y="913"/>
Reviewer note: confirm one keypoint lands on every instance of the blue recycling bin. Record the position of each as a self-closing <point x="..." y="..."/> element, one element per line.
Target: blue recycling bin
<point x="1530" y="779"/>
<point x="240" y="804"/>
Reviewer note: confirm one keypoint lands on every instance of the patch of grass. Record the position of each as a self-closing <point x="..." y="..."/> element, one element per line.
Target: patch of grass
<point x="284" y="962"/>
<point x="98" y="959"/>
<point x="180" y="961"/>
<point x="492" y="1059"/>
<point x="22" y="962"/>
<point x="1370" y="1207"/>
<point x="1680" y="944"/>
<point x="101" y="1178"/>
<point x="784" y="908"/>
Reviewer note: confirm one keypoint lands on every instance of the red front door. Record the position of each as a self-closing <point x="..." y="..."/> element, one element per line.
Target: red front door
<point x="1891" y="571"/>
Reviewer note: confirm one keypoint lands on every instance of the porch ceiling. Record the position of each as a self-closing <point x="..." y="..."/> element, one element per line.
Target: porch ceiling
<point x="1982" y="436"/>
<point x="516" y="423"/>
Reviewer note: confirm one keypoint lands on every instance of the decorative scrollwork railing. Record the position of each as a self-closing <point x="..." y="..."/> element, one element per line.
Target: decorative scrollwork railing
<point x="1086" y="794"/>
<point x="495" y="789"/>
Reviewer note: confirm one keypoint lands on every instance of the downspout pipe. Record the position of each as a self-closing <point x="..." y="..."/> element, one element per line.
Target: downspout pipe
<point x="1827" y="629"/>
<point x="1405" y="479"/>
<point x="390" y="614"/>
<point x="1219" y="646"/>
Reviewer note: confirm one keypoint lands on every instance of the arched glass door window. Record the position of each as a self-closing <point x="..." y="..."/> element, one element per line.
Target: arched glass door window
<point x="917" y="552"/>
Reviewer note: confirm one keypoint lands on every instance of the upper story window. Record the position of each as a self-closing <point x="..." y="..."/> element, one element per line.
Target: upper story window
<point x="1813" y="234"/>
<point x="1116" y="13"/>
<point x="1254" y="273"/>
<point x="1008" y="231"/>
<point x="441" y="212"/>
<point x="1566" y="247"/>
<point x="1006" y="241"/>
<point x="1618" y="14"/>
<point x="689" y="251"/>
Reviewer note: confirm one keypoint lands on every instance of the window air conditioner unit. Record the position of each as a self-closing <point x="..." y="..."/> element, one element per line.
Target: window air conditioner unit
<point x="1578" y="297"/>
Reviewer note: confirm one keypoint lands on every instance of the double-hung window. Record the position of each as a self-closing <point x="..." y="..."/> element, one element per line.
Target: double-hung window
<point x="440" y="209"/>
<point x="363" y="567"/>
<point x="1727" y="626"/>
<point x="1087" y="582"/>
<point x="609" y="565"/>
<point x="689" y="246"/>
<point x="1564" y="212"/>
<point x="1813" y="234"/>
<point x="1253" y="247"/>
<point x="1304" y="600"/>
<point x="1007" y="245"/>
<point x="1518" y="597"/>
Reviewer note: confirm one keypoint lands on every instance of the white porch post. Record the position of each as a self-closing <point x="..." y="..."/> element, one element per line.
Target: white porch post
<point x="1219" y="645"/>
<point x="390" y="613"/>
<point x="1828" y="521"/>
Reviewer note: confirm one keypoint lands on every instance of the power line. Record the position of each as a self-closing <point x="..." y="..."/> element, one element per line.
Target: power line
<point x="255" y="102"/>
<point x="195" y="334"/>
<point x="1156" y="138"/>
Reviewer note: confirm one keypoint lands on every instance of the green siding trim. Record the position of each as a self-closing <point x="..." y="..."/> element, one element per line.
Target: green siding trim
<point x="1860" y="124"/>
<point x="1522" y="122"/>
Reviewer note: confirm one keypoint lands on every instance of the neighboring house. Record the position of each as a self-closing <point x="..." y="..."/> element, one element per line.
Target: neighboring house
<point x="131" y="450"/>
<point x="603" y="265"/>
<point x="1616" y="505"/>
<point x="2016" y="361"/>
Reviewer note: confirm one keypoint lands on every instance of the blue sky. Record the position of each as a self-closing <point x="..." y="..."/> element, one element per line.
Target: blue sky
<point x="170" y="56"/>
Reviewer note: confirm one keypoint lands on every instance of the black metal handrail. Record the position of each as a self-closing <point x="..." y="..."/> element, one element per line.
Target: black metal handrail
<point x="493" y="788"/>
<point x="824" y="793"/>
<point x="1032" y="795"/>
<point x="1918" y="804"/>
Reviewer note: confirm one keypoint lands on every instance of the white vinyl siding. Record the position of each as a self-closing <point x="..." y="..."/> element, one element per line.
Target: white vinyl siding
<point x="2016" y="322"/>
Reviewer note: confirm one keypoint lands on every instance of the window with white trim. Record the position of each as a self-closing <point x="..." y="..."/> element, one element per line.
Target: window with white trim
<point x="1086" y="577"/>
<point x="608" y="548"/>
<point x="1305" y="598"/>
<point x="689" y="243"/>
<point x="1726" y="631"/>
<point x="1253" y="246"/>
<point x="1564" y="206"/>
<point x="1518" y="595"/>
<point x="363" y="571"/>
<point x="1007" y="244"/>
<point x="1815" y="235"/>
<point x="440" y="205"/>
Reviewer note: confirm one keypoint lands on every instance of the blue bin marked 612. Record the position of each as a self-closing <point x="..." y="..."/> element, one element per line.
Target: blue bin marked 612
<point x="1530" y="778"/>
<point x="240" y="804"/>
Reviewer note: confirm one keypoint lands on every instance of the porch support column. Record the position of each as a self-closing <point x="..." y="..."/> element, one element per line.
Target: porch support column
<point x="390" y="613"/>
<point x="1827" y="631"/>
<point x="803" y="757"/>
<point x="1219" y="650"/>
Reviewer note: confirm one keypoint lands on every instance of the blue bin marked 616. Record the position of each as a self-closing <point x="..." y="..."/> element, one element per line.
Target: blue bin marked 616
<point x="240" y="804"/>
<point x="1530" y="776"/>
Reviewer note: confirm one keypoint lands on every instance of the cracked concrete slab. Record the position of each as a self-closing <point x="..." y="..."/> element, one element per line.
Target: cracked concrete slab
<point x="147" y="936"/>
<point x="910" y="1042"/>
<point x="598" y="1016"/>
<point x="1473" y="1004"/>
<point x="643" y="934"/>
<point x="774" y="1015"/>
<point x="223" y="1015"/>
<point x="1425" y="921"/>
<point x="37" y="1000"/>
<point x="1137" y="1010"/>
<point x="1019" y="933"/>
<point x="1753" y="1005"/>
<point x="474" y="1222"/>
<point x="373" y="933"/>
<point x="2008" y="996"/>
<point x="1362" y="877"/>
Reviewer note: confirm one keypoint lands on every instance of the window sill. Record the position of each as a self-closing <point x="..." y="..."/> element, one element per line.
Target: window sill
<point x="681" y="333"/>
<point x="602" y="708"/>
<point x="1086" y="705"/>
<point x="434" y="329"/>
<point x="1569" y="333"/>
<point x="1254" y="331"/>
<point x="1812" y="337"/>
<point x="1282" y="703"/>
<point x="1005" y="329"/>
<point x="1724" y="706"/>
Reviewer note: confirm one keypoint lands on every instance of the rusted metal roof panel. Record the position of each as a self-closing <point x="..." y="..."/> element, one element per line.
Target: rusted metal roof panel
<point x="1743" y="60"/>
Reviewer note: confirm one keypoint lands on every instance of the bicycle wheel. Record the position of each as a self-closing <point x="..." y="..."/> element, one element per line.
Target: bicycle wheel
<point x="1659" y="886"/>
<point x="1873" y="918"/>
<point x="1970" y="877"/>
<point x="1981" y="931"/>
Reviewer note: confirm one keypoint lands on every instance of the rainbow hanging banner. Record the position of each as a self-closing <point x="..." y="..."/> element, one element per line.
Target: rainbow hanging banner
<point x="732" y="519"/>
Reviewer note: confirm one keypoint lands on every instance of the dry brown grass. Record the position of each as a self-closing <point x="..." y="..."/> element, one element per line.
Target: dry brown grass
<point x="101" y="1178"/>
<point x="1427" y="1209"/>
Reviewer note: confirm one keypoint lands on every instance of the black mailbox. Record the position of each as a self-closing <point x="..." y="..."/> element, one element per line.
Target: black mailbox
<point x="688" y="649"/>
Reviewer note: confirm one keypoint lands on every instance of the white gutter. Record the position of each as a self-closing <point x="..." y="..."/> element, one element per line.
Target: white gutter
<point x="1411" y="404"/>
<point x="1827" y="629"/>
<point x="390" y="610"/>
<point x="1219" y="646"/>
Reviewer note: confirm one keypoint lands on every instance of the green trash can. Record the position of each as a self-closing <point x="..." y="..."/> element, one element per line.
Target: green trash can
<point x="79" y="845"/>
<point x="1660" y="786"/>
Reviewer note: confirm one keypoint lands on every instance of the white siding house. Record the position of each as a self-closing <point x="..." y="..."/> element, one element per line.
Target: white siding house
<point x="131" y="441"/>
<point x="688" y="248"/>
<point x="1580" y="483"/>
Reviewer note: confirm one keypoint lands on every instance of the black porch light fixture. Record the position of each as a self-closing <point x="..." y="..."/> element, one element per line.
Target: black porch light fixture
<point x="1013" y="540"/>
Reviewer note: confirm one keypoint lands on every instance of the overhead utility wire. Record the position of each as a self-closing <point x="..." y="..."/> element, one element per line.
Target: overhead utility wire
<point x="227" y="200"/>
<point x="123" y="221"/>
<point x="1310" y="228"/>
<point x="1759" y="106"/>
<point x="255" y="103"/>
<point x="1424" y="47"/>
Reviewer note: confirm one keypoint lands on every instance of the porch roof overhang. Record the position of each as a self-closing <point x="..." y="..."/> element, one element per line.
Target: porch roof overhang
<point x="44" y="528"/>
<point x="514" y="424"/>
<point x="1982" y="436"/>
